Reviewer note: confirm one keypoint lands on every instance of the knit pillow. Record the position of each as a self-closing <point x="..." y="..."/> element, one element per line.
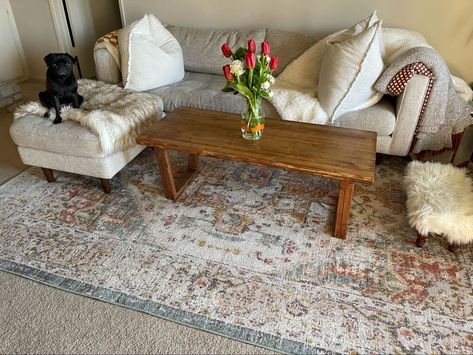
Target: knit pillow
<point x="150" y="56"/>
<point x="351" y="65"/>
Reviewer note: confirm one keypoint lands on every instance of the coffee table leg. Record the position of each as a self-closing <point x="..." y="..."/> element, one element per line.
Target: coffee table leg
<point x="173" y="190"/>
<point x="343" y="209"/>
<point x="164" y="165"/>
<point x="194" y="163"/>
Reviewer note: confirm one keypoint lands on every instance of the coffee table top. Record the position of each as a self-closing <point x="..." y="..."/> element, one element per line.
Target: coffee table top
<point x="335" y="152"/>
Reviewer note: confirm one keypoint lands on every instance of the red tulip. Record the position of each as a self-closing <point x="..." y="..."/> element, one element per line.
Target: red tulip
<point x="226" y="50"/>
<point x="226" y="71"/>
<point x="265" y="48"/>
<point x="250" y="59"/>
<point x="273" y="63"/>
<point x="252" y="45"/>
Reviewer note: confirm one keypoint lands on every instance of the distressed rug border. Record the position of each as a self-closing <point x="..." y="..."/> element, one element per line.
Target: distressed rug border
<point x="186" y="318"/>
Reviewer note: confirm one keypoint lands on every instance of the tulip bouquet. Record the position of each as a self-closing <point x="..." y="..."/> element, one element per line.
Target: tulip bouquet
<point x="250" y="74"/>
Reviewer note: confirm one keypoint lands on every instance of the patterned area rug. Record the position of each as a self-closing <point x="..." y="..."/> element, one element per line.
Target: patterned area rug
<point x="247" y="254"/>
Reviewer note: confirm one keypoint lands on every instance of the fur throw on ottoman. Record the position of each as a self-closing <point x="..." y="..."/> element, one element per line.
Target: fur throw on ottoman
<point x="117" y="116"/>
<point x="440" y="201"/>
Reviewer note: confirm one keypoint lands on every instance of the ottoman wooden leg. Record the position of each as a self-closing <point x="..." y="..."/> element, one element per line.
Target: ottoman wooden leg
<point x="453" y="247"/>
<point x="107" y="188"/>
<point x="49" y="174"/>
<point x="421" y="240"/>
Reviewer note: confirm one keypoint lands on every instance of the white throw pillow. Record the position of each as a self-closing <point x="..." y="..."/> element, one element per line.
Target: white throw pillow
<point x="150" y="55"/>
<point x="303" y="72"/>
<point x="350" y="67"/>
<point x="362" y="25"/>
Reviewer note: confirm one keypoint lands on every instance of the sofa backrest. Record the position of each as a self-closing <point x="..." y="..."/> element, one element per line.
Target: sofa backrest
<point x="202" y="53"/>
<point x="288" y="45"/>
<point x="201" y="47"/>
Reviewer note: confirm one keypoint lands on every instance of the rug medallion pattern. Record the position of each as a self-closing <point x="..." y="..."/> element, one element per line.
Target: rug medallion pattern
<point x="251" y="248"/>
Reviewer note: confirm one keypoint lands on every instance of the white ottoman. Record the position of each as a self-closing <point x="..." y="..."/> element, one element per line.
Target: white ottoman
<point x="440" y="201"/>
<point x="69" y="147"/>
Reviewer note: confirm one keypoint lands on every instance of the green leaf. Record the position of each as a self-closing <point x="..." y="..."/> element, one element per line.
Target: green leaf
<point x="239" y="54"/>
<point x="264" y="94"/>
<point x="228" y="89"/>
<point x="244" y="91"/>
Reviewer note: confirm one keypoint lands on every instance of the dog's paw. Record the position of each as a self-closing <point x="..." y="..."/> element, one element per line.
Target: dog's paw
<point x="47" y="115"/>
<point x="57" y="120"/>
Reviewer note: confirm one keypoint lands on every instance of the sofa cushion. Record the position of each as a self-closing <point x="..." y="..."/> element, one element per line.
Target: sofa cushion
<point x="150" y="55"/>
<point x="380" y="118"/>
<point x="67" y="138"/>
<point x="202" y="48"/>
<point x="205" y="91"/>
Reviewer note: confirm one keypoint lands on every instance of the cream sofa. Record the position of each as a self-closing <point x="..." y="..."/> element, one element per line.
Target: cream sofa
<point x="393" y="119"/>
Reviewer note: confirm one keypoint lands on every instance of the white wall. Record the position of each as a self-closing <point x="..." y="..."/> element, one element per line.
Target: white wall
<point x="447" y="25"/>
<point x="105" y="15"/>
<point x="11" y="52"/>
<point x="37" y="34"/>
<point x="90" y="19"/>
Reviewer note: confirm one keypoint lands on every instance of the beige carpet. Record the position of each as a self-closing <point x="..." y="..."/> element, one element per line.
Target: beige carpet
<point x="39" y="319"/>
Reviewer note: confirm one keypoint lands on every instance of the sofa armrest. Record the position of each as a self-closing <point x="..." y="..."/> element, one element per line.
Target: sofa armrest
<point x="106" y="68"/>
<point x="408" y="108"/>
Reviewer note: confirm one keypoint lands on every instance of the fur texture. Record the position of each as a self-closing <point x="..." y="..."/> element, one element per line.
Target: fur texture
<point x="440" y="201"/>
<point x="297" y="104"/>
<point x="115" y="115"/>
<point x="296" y="88"/>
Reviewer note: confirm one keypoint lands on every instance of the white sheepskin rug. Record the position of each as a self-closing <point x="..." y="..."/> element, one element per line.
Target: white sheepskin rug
<point x="440" y="201"/>
<point x="117" y="116"/>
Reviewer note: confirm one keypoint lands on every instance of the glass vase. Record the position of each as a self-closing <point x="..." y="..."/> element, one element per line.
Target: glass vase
<point x="252" y="121"/>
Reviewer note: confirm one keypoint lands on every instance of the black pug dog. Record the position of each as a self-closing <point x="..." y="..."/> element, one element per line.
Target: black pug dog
<point x="61" y="84"/>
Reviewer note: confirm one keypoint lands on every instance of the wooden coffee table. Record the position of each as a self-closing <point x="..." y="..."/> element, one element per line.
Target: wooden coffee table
<point x="344" y="154"/>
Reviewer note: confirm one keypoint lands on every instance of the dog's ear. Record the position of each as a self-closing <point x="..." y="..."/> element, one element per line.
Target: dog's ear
<point x="73" y="59"/>
<point x="48" y="59"/>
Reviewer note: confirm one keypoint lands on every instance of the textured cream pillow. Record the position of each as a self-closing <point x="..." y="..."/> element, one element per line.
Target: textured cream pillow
<point x="350" y="67"/>
<point x="150" y="55"/>
<point x="363" y="24"/>
<point x="303" y="72"/>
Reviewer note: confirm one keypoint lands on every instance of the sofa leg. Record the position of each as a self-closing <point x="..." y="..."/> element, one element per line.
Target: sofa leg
<point x="49" y="174"/>
<point x="107" y="188"/>
<point x="453" y="247"/>
<point x="420" y="240"/>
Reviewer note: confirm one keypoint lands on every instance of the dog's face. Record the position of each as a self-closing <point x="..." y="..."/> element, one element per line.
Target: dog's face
<point x="60" y="65"/>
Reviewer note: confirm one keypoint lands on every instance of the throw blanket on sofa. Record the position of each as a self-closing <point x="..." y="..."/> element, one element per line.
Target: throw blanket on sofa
<point x="295" y="103"/>
<point x="295" y="90"/>
<point x="444" y="112"/>
<point x="117" y="116"/>
<point x="110" y="43"/>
